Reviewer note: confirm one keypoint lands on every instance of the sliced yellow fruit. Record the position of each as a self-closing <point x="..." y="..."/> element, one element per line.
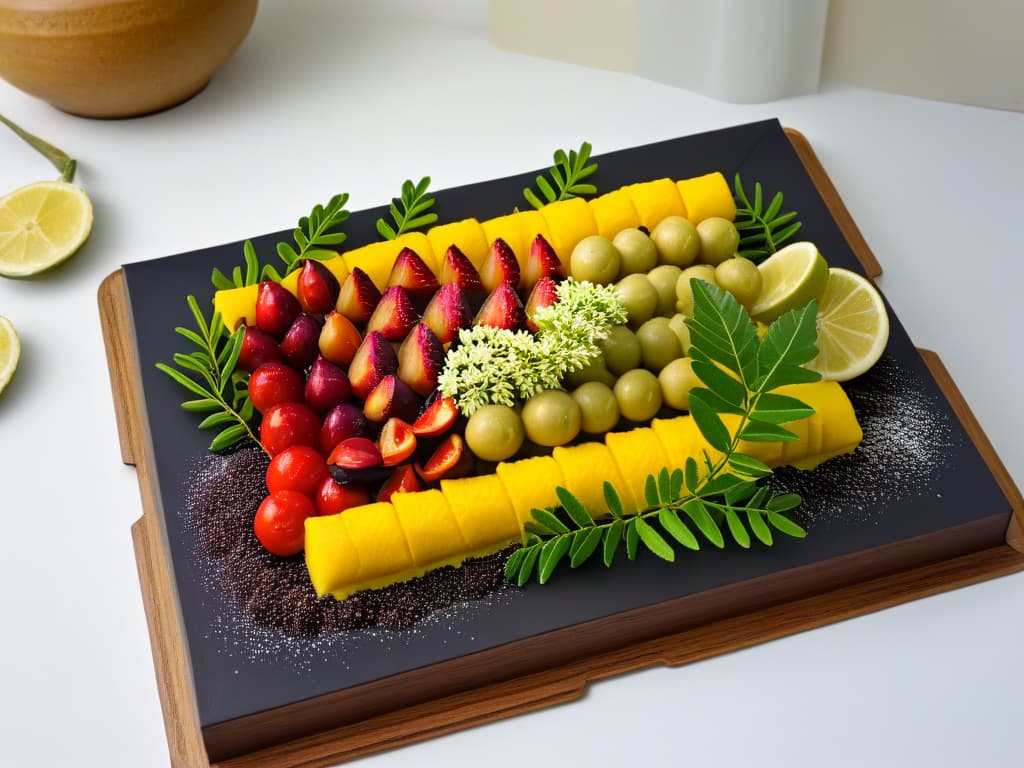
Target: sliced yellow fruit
<point x="569" y="221"/>
<point x="237" y="305"/>
<point x="41" y="225"/>
<point x="430" y="528"/>
<point x="10" y="352"/>
<point x="654" y="200"/>
<point x="482" y="510"/>
<point x="332" y="558"/>
<point x="585" y="467"/>
<point x="613" y="213"/>
<point x="853" y="326"/>
<point x="533" y="223"/>
<point x="680" y="438"/>
<point x="379" y="540"/>
<point x="531" y="483"/>
<point x="375" y="259"/>
<point x="467" y="234"/>
<point x="706" y="196"/>
<point x="638" y="453"/>
<point x="790" y="278"/>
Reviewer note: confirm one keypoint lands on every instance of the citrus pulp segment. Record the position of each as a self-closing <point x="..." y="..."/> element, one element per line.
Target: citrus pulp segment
<point x="853" y="326"/>
<point x="41" y="225"/>
<point x="790" y="278"/>
<point x="10" y="351"/>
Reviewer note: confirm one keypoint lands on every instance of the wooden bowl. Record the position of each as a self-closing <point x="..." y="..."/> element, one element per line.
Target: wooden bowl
<point x="118" y="58"/>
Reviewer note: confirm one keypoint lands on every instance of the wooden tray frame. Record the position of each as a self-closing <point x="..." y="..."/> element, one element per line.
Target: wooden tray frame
<point x="535" y="691"/>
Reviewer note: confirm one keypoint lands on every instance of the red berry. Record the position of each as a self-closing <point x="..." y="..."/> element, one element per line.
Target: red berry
<point x="258" y="347"/>
<point x="298" y="468"/>
<point x="275" y="383"/>
<point x="289" y="424"/>
<point x="333" y="497"/>
<point x="280" y="522"/>
<point x="276" y="309"/>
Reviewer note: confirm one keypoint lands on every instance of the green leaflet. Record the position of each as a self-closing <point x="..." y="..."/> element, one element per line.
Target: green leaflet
<point x="410" y="211"/>
<point x="568" y="173"/>
<point x="762" y="230"/>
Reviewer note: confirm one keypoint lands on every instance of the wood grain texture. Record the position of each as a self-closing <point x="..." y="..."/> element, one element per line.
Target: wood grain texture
<point x="712" y="629"/>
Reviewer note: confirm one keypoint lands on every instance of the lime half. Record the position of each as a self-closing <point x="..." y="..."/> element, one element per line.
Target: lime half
<point x="790" y="278"/>
<point x="10" y="351"/>
<point x="41" y="225"/>
<point x="853" y="326"/>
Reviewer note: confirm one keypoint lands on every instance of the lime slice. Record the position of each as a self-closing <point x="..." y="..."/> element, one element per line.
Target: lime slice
<point x="41" y="225"/>
<point x="790" y="278"/>
<point x="10" y="351"/>
<point x="853" y="326"/>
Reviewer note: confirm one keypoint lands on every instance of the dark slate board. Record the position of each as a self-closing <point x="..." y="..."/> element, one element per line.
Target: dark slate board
<point x="917" y="472"/>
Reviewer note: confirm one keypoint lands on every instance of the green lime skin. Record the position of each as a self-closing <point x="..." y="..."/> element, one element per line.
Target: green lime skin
<point x="639" y="394"/>
<point x="740" y="277"/>
<point x="494" y="432"/>
<point x="598" y="407"/>
<point x="664" y="278"/>
<point x="719" y="240"/>
<point x="621" y="350"/>
<point x="640" y="298"/>
<point x="684" y="291"/>
<point x="676" y="380"/>
<point x="659" y="344"/>
<point x="552" y="418"/>
<point x="677" y="241"/>
<point x="595" y="259"/>
<point x="638" y="251"/>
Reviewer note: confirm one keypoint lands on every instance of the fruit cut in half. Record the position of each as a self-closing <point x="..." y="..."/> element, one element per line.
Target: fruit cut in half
<point x="790" y="278"/>
<point x="41" y="225"/>
<point x="10" y="352"/>
<point x="853" y="326"/>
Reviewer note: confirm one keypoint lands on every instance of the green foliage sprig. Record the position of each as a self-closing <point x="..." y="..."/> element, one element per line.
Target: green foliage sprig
<point x="762" y="230"/>
<point x="739" y="372"/>
<point x="208" y="372"/>
<point x="409" y="212"/>
<point x="567" y="173"/>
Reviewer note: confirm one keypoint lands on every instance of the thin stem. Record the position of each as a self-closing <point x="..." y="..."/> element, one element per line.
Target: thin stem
<point x="60" y="159"/>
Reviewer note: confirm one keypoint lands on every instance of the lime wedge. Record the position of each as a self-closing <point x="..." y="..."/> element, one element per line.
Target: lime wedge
<point x="790" y="278"/>
<point x="10" y="351"/>
<point x="41" y="225"/>
<point x="853" y="326"/>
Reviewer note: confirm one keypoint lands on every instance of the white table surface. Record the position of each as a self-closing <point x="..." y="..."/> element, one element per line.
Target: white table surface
<point x="323" y="98"/>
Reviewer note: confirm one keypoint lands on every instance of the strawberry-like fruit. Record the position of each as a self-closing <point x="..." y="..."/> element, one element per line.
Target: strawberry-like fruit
<point x="420" y="359"/>
<point x="412" y="273"/>
<point x="447" y="312"/>
<point x="542" y="262"/>
<point x="402" y="480"/>
<point x="396" y="442"/>
<point x="317" y="289"/>
<point x="458" y="269"/>
<point x="339" y="338"/>
<point x="445" y="459"/>
<point x="299" y="347"/>
<point x="276" y="308"/>
<point x="437" y="418"/>
<point x="326" y="386"/>
<point x="544" y="294"/>
<point x="394" y="316"/>
<point x="374" y="359"/>
<point x="391" y="397"/>
<point x="357" y="297"/>
<point x="258" y="347"/>
<point x="500" y="266"/>
<point x="503" y="309"/>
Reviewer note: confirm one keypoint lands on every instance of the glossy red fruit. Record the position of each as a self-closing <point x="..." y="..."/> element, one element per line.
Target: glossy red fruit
<point x="391" y="397"/>
<point x="412" y="273"/>
<point x="437" y="419"/>
<point x="447" y="312"/>
<point x="542" y="262"/>
<point x="458" y="269"/>
<point x="421" y="360"/>
<point x="276" y="308"/>
<point x="258" y="347"/>
<point x="445" y="459"/>
<point x="299" y="346"/>
<point x="342" y="422"/>
<point x="357" y="297"/>
<point x="332" y="497"/>
<point x="275" y="383"/>
<point x="402" y="480"/>
<point x="374" y="359"/>
<point x="317" y="289"/>
<point x="396" y="442"/>
<point x="339" y="339"/>
<point x="502" y="309"/>
<point x="280" y="522"/>
<point x="289" y="424"/>
<point x="499" y="267"/>
<point x="394" y="316"/>
<point x="326" y="386"/>
<point x="299" y="468"/>
<point x="544" y="294"/>
<point x="356" y="453"/>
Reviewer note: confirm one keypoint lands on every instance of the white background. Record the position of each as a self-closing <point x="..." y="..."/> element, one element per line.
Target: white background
<point x="325" y="97"/>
